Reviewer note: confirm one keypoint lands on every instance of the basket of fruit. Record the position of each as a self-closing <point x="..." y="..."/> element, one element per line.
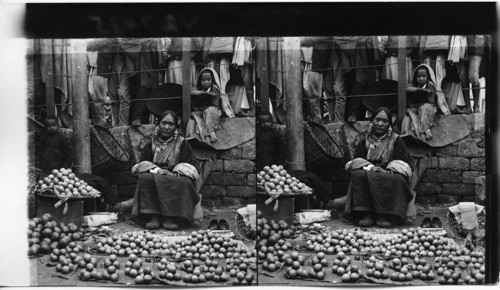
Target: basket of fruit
<point x="275" y="180"/>
<point x="64" y="185"/>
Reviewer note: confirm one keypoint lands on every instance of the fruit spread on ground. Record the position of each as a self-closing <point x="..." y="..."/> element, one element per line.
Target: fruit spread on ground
<point x="409" y="257"/>
<point x="141" y="257"/>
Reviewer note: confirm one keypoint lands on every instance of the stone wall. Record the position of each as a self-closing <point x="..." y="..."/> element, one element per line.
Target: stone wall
<point x="454" y="170"/>
<point x="232" y="180"/>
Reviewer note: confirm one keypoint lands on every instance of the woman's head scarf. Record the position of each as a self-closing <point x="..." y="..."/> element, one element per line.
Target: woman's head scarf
<point x="431" y="75"/>
<point x="215" y="78"/>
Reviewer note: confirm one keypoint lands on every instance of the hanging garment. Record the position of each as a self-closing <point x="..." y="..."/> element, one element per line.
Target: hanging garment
<point x="61" y="67"/>
<point x="242" y="51"/>
<point x="458" y="48"/>
<point x="174" y="72"/>
<point x="390" y="71"/>
<point x="437" y="42"/>
<point x="97" y="88"/>
<point x="217" y="45"/>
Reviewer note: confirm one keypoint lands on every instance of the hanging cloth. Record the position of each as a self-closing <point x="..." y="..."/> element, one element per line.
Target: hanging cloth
<point x="458" y="48"/>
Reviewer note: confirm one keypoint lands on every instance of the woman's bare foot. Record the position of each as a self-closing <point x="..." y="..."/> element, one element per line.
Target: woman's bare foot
<point x="154" y="223"/>
<point x="168" y="224"/>
<point x="213" y="137"/>
<point x="428" y="134"/>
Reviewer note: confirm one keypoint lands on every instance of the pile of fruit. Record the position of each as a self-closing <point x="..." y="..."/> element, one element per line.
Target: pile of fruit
<point x="275" y="179"/>
<point x="45" y="235"/>
<point x="65" y="184"/>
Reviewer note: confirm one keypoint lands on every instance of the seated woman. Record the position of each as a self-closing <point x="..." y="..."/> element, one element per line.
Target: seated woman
<point x="421" y="104"/>
<point x="206" y="101"/>
<point x="166" y="178"/>
<point x="380" y="173"/>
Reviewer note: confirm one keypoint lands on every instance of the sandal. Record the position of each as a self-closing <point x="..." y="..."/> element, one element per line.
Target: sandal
<point x="426" y="223"/>
<point x="223" y="225"/>
<point x="436" y="222"/>
<point x="214" y="225"/>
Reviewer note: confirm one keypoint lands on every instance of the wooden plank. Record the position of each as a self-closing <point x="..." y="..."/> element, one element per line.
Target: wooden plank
<point x="186" y="80"/>
<point x="81" y="122"/>
<point x="401" y="79"/>
<point x="293" y="102"/>
<point x="49" y="82"/>
<point x="263" y="74"/>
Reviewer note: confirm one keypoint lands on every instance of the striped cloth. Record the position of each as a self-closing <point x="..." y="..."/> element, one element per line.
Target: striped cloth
<point x="171" y="196"/>
<point x="381" y="193"/>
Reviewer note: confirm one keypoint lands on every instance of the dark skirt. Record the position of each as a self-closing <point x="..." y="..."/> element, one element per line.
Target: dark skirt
<point x="169" y="196"/>
<point x="381" y="193"/>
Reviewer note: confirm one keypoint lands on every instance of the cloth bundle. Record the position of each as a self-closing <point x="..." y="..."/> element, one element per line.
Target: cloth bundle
<point x="400" y="167"/>
<point x="97" y="219"/>
<point x="249" y="215"/>
<point x="311" y="217"/>
<point x="187" y="170"/>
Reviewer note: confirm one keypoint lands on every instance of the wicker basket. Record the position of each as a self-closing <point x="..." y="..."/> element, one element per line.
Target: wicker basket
<point x="106" y="152"/>
<point x="321" y="150"/>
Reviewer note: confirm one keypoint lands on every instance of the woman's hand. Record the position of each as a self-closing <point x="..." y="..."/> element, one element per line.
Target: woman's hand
<point x="378" y="169"/>
<point x="165" y="172"/>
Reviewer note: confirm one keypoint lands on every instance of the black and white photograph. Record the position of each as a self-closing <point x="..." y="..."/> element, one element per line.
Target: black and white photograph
<point x="142" y="161"/>
<point x="304" y="144"/>
<point x="371" y="161"/>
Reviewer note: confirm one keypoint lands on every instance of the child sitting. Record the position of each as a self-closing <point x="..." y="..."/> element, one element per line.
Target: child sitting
<point x="205" y="118"/>
<point x="52" y="148"/>
<point x="421" y="104"/>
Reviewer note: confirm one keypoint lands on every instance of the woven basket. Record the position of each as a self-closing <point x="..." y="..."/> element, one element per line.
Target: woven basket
<point x="321" y="150"/>
<point x="106" y="152"/>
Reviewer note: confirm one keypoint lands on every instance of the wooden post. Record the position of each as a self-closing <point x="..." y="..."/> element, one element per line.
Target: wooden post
<point x="293" y="103"/>
<point x="81" y="131"/>
<point x="401" y="79"/>
<point x="263" y="74"/>
<point x="186" y="80"/>
<point x="49" y="82"/>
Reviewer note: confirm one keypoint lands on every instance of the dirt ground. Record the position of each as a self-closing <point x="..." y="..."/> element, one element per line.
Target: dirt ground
<point x="44" y="274"/>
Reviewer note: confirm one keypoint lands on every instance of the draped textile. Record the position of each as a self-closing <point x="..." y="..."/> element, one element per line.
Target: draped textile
<point x="380" y="192"/>
<point x="171" y="196"/>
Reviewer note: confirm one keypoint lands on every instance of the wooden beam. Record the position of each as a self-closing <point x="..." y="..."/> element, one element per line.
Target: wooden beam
<point x="293" y="103"/>
<point x="186" y="80"/>
<point x="401" y="79"/>
<point x="49" y="82"/>
<point x="81" y="122"/>
<point x="263" y="73"/>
